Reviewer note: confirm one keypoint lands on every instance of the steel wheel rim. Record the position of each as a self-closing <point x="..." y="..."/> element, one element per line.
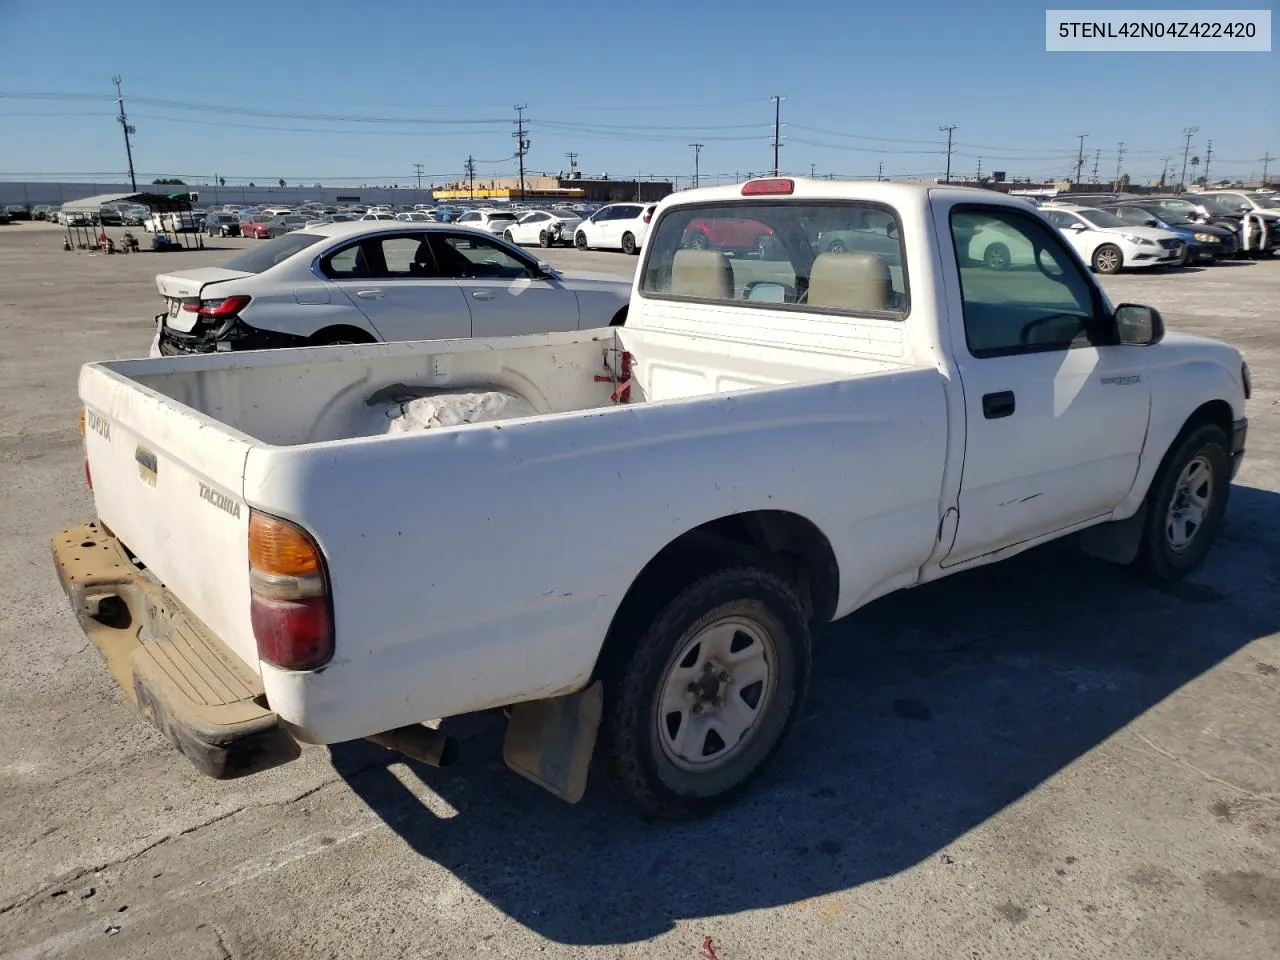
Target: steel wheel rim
<point x="996" y="259"/>
<point x="715" y="693"/>
<point x="1106" y="261"/>
<point x="1192" y="498"/>
<point x="837" y="246"/>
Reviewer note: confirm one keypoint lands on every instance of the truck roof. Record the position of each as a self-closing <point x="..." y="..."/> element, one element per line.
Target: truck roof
<point x="883" y="191"/>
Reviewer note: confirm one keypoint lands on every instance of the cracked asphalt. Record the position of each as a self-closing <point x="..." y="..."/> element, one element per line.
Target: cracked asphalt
<point x="1046" y="758"/>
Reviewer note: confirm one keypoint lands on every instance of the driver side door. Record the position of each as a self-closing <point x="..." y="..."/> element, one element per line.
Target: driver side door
<point x="1055" y="420"/>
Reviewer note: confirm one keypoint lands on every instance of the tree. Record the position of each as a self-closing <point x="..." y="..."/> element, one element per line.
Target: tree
<point x="282" y="181"/>
<point x="173" y="181"/>
<point x="222" y="181"/>
<point x="1124" y="181"/>
<point x="252" y="184"/>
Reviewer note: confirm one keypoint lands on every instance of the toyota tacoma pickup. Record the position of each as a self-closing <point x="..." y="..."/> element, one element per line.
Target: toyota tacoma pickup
<point x="624" y="536"/>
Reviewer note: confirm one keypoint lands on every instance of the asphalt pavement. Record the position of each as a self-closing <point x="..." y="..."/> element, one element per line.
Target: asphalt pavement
<point x="1045" y="758"/>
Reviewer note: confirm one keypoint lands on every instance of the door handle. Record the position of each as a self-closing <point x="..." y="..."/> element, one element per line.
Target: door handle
<point x="997" y="405"/>
<point x="482" y="294"/>
<point x="370" y="294"/>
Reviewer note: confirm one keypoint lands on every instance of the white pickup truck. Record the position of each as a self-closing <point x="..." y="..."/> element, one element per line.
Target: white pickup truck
<point x="624" y="535"/>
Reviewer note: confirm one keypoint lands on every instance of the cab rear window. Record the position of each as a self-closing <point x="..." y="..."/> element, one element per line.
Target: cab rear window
<point x="842" y="257"/>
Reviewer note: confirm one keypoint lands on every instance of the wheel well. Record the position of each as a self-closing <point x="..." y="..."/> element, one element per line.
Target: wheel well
<point x="619" y="318"/>
<point x="784" y="543"/>
<point x="1216" y="412"/>
<point x="340" y="332"/>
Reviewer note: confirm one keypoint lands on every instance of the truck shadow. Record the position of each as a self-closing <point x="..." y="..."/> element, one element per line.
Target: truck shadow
<point x="930" y="711"/>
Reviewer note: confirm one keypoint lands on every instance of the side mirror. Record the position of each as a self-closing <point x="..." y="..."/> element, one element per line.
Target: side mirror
<point x="546" y="269"/>
<point x="1077" y="226"/>
<point x="1151" y="223"/>
<point x="1137" y="325"/>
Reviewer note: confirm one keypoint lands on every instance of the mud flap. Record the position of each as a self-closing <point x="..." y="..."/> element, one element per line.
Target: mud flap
<point x="550" y="741"/>
<point x="1117" y="541"/>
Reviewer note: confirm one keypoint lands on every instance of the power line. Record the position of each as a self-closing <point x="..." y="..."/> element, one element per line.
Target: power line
<point x="948" y="128"/>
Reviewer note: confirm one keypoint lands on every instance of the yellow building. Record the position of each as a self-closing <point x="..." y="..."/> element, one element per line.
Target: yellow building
<point x="508" y="188"/>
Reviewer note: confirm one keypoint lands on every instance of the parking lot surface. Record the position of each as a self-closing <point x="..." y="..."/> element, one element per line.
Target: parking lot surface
<point x="1044" y="758"/>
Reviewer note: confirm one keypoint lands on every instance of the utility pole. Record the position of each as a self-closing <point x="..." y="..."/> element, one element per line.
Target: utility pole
<point x="880" y="172"/>
<point x="1266" y="160"/>
<point x="1115" y="185"/>
<point x="813" y="170"/>
<point x="1208" y="155"/>
<point x="129" y="130"/>
<point x="522" y="144"/>
<point x="949" y="128"/>
<point x="777" y="131"/>
<point x="1097" y="158"/>
<point x="471" y="175"/>
<point x="417" y="168"/>
<point x="1080" y="158"/>
<point x="978" y="178"/>
<point x="1164" y="174"/>
<point x="573" y="163"/>
<point x="1187" y="132"/>
<point x="697" y="149"/>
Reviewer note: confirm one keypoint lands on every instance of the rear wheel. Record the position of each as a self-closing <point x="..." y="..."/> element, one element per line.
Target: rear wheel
<point x="506" y="235"/>
<point x="544" y="238"/>
<point x="1108" y="259"/>
<point x="837" y="246"/>
<point x="707" y="695"/>
<point x="629" y="244"/>
<point x="344" y="335"/>
<point x="997" y="257"/>
<point x="699" y="240"/>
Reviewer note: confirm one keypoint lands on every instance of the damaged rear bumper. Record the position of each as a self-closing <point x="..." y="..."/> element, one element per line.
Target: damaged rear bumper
<point x="176" y="673"/>
<point x="235" y="334"/>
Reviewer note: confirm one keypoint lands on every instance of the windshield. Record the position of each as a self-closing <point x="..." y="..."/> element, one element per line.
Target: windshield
<point x="1170" y="214"/>
<point x="266" y="255"/>
<point x="1222" y="206"/>
<point x="502" y="216"/>
<point x="1264" y="200"/>
<point x="1100" y="218"/>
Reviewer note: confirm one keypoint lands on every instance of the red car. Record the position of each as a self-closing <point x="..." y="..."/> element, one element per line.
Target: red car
<point x="717" y="234"/>
<point x="255" y="227"/>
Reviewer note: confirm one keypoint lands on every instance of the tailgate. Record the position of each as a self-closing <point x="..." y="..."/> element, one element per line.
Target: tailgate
<point x="168" y="482"/>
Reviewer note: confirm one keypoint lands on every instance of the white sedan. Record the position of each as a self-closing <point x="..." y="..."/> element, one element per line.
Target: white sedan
<point x="543" y="227"/>
<point x="1108" y="244"/>
<point x="365" y="282"/>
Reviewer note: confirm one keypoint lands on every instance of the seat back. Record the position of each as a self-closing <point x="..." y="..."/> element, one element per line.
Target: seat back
<point x="854" y="281"/>
<point x="705" y="274"/>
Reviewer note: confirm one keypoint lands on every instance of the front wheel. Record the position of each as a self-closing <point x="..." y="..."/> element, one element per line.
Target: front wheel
<point x="997" y="257"/>
<point x="506" y="235"/>
<point x="1185" y="506"/>
<point x="1108" y="259"/>
<point x="580" y="240"/>
<point x="629" y="245"/>
<point x="707" y="695"/>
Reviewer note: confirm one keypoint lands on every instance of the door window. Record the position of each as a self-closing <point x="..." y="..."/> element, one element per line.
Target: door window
<point x="404" y="257"/>
<point x="1040" y="301"/>
<point x="477" y="257"/>
<point x="349" y="263"/>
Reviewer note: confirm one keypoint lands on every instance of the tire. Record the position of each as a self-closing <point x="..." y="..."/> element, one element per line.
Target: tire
<point x="1194" y="477"/>
<point x="698" y="240"/>
<point x="837" y="246"/>
<point x="580" y="241"/>
<point x="1108" y="259"/>
<point x="507" y="236"/>
<point x="544" y="238"/>
<point x="629" y="244"/>
<point x="997" y="257"/>
<point x="1184" y="257"/>
<point x="638" y="745"/>
<point x="339" y="338"/>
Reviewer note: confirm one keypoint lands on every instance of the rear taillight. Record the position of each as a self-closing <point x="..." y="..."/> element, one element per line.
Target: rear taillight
<point x="226" y="307"/>
<point x="289" y="605"/>
<point x="648" y="216"/>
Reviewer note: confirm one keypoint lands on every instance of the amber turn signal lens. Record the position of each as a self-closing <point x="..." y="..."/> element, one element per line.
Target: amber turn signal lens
<point x="82" y="421"/>
<point x="278" y="547"/>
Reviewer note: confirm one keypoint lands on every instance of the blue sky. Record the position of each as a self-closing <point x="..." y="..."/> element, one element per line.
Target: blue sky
<point x="254" y="91"/>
